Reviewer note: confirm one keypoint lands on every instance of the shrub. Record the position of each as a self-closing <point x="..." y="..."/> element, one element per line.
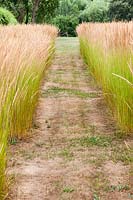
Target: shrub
<point x="96" y="11"/>
<point x="66" y="24"/>
<point x="6" y="17"/>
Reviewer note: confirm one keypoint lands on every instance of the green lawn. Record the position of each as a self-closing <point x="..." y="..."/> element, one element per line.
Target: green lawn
<point x="69" y="45"/>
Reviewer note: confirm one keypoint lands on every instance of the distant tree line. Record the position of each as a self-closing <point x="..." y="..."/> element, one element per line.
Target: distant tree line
<point x="72" y="12"/>
<point x="67" y="14"/>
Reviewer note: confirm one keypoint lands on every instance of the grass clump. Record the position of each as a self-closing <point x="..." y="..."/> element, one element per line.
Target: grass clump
<point x="87" y="141"/>
<point x="119" y="188"/>
<point x="68" y="190"/>
<point x="96" y="141"/>
<point x="65" y="153"/>
<point x="122" y="154"/>
<point x="78" y="93"/>
<point x="96" y="197"/>
<point x="25" y="53"/>
<point x="107" y="50"/>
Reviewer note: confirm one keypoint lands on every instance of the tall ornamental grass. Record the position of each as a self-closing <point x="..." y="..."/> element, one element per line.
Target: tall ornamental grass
<point x="25" y="52"/>
<point x="108" y="51"/>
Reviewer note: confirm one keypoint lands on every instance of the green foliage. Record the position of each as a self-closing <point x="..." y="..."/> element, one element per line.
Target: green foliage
<point x="68" y="7"/>
<point x="72" y="12"/>
<point x="96" y="11"/>
<point x="121" y="10"/>
<point x="6" y="17"/>
<point x="18" y="7"/>
<point x="69" y="12"/>
<point x="68" y="189"/>
<point x="66" y="24"/>
<point x="78" y="93"/>
<point x="96" y="140"/>
<point x="46" y="10"/>
<point x="31" y="10"/>
<point x="119" y="188"/>
<point x="67" y="17"/>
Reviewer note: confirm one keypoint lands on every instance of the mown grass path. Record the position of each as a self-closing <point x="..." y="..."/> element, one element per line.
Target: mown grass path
<point x="75" y="151"/>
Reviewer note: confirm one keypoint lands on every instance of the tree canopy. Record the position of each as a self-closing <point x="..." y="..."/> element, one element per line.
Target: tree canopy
<point x="121" y="10"/>
<point x="27" y="11"/>
<point x="72" y="12"/>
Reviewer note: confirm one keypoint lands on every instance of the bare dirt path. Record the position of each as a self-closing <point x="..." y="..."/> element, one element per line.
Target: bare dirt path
<point x="75" y="151"/>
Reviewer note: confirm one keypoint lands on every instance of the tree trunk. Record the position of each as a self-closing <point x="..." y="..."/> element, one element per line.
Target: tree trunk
<point x="35" y="8"/>
<point x="21" y="16"/>
<point x="27" y="12"/>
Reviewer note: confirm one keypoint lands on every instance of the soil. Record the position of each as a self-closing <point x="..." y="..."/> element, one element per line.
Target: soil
<point x="75" y="150"/>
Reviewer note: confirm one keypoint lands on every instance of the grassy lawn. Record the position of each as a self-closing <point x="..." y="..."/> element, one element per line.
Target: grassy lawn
<point x="69" y="45"/>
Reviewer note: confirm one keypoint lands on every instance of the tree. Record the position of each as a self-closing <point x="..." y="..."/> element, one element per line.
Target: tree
<point x="72" y="12"/>
<point x="20" y="8"/>
<point x="31" y="10"/>
<point x="46" y="10"/>
<point x="121" y="10"/>
<point x="67" y="17"/>
<point x="66" y="24"/>
<point x="96" y="11"/>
